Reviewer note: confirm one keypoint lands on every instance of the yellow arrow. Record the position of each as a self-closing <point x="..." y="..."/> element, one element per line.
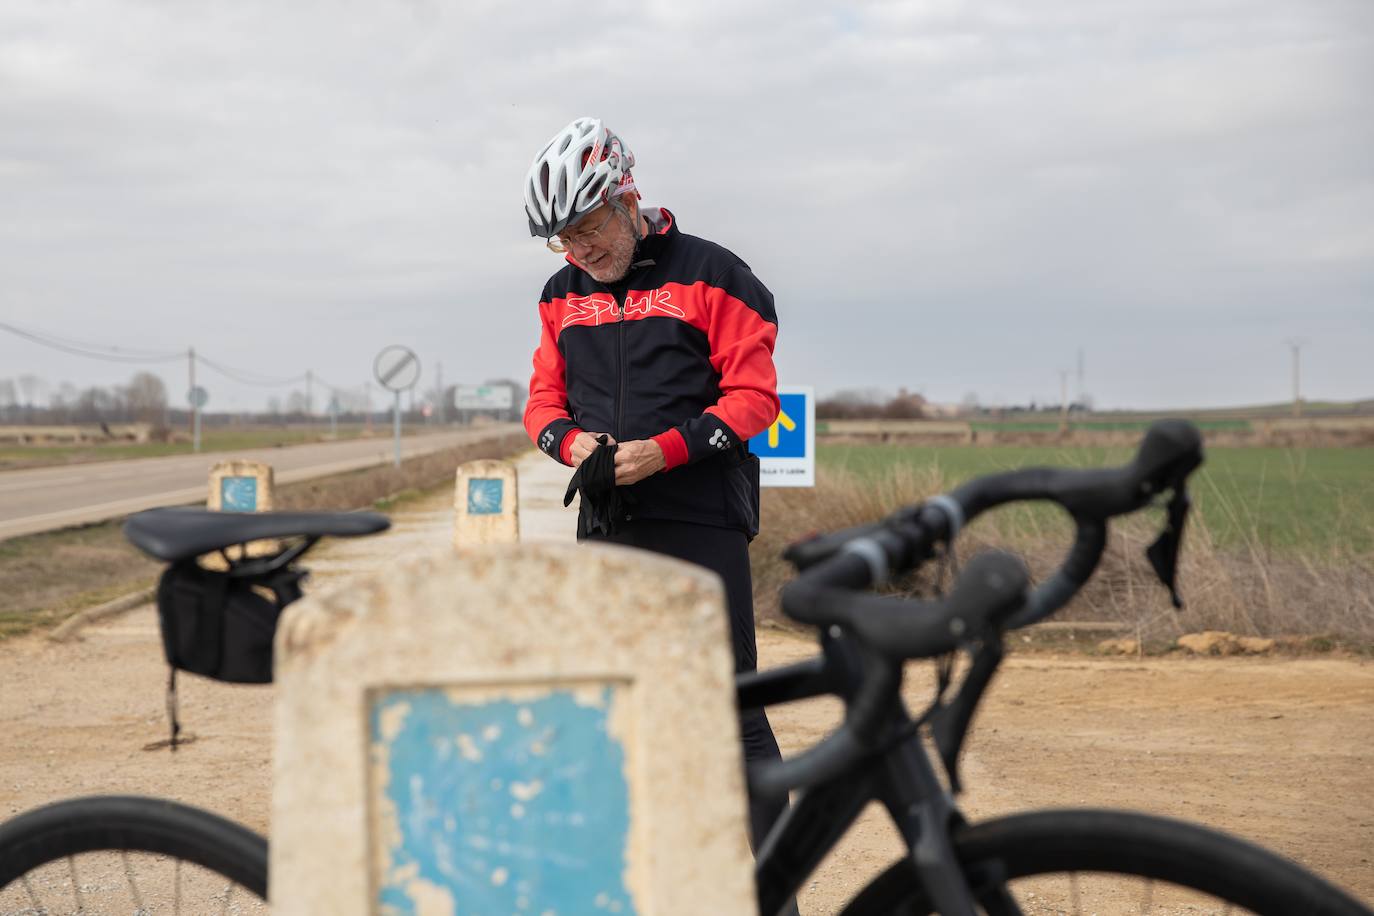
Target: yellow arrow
<point x="786" y="421"/>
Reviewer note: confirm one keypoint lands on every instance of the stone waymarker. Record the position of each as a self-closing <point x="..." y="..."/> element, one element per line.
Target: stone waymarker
<point x="517" y="729"/>
<point x="485" y="507"/>
<point x="241" y="486"/>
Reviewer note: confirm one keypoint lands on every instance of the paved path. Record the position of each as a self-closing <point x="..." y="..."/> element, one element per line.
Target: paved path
<point x="426" y="527"/>
<point x="41" y="499"/>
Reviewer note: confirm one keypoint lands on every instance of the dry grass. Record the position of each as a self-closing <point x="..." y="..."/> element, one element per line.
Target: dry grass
<point x="50" y="576"/>
<point x="1326" y="598"/>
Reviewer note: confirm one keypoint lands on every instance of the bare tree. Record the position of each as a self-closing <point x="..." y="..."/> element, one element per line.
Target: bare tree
<point x="9" y="400"/>
<point x="30" y="386"/>
<point x="852" y="404"/>
<point x="99" y="405"/>
<point x="146" y="396"/>
<point x="907" y="405"/>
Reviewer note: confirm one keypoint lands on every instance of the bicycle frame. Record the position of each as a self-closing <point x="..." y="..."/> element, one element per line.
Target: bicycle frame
<point x="902" y="777"/>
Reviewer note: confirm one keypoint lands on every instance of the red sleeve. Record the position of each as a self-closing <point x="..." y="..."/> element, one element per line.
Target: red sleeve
<point x="742" y="352"/>
<point x="546" y="412"/>
<point x="742" y="328"/>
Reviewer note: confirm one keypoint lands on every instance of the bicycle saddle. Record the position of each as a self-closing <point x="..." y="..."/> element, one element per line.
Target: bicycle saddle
<point x="179" y="534"/>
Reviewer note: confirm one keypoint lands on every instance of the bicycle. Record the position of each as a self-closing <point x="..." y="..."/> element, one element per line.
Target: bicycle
<point x="880" y="752"/>
<point x="140" y="854"/>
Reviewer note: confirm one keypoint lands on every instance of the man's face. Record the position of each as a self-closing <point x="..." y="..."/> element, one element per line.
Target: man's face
<point x="602" y="243"/>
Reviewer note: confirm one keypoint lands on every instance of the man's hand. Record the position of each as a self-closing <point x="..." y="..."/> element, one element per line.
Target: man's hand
<point x="584" y="444"/>
<point x="636" y="460"/>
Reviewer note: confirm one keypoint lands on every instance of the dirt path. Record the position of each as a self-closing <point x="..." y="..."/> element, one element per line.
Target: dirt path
<point x="1279" y="751"/>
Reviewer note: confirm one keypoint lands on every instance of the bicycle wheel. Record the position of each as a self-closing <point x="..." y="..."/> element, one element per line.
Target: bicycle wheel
<point x="126" y="854"/>
<point x="1112" y="862"/>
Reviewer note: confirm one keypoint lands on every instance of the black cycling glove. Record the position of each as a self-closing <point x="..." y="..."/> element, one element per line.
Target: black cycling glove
<point x="602" y="503"/>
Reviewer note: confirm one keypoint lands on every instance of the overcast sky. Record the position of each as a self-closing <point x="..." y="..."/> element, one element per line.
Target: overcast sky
<point x="948" y="196"/>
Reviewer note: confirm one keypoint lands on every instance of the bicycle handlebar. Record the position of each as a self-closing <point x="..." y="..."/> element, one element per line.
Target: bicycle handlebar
<point x="989" y="588"/>
<point x="1171" y="450"/>
<point x="990" y="592"/>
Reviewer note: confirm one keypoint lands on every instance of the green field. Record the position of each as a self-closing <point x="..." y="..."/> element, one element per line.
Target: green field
<point x="1050" y="426"/>
<point x="1319" y="500"/>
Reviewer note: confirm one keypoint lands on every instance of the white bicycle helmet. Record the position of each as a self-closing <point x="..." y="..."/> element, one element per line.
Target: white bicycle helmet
<point x="575" y="172"/>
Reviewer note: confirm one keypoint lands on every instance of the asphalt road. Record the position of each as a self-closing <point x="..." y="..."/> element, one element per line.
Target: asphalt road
<point x="42" y="499"/>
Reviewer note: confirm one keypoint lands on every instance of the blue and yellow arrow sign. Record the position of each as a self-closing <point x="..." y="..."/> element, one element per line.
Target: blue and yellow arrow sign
<point x="786" y="437"/>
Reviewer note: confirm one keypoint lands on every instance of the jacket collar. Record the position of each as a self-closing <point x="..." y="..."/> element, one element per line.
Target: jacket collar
<point x="662" y="232"/>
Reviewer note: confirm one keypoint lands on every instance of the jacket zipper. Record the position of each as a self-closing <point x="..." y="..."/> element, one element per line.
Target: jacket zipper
<point x="620" y="366"/>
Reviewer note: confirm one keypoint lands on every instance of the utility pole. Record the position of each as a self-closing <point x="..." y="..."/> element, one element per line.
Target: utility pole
<point x="439" y="384"/>
<point x="369" y="406"/>
<point x="195" y="401"/>
<point x="1063" y="401"/>
<point x="1296" y="345"/>
<point x="309" y="394"/>
<point x="191" y="385"/>
<point x="1080" y="375"/>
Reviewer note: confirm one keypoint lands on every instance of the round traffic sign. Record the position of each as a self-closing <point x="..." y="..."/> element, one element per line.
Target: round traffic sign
<point x="397" y="368"/>
<point x="197" y="396"/>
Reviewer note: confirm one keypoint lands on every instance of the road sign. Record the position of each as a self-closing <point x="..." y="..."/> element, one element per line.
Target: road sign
<point x="787" y="448"/>
<point x="484" y="397"/>
<point x="197" y="397"/>
<point x="397" y="368"/>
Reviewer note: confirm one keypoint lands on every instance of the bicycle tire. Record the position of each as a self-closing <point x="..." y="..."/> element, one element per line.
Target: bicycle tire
<point x="131" y="824"/>
<point x="1118" y="843"/>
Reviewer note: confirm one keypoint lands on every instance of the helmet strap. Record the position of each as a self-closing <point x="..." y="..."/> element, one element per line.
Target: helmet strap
<point x="636" y="226"/>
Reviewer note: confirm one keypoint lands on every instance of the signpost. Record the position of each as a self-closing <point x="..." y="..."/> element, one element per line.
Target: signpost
<point x="787" y="448"/>
<point x="484" y="397"/>
<point x="397" y="368"/>
<point x="485" y="504"/>
<point x="197" y="397"/>
<point x="444" y="746"/>
<point x="238" y="485"/>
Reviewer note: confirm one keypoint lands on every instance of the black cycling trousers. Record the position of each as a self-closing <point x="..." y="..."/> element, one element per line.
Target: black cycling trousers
<point x="725" y="552"/>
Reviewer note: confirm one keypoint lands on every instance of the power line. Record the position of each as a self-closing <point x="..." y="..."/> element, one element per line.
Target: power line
<point x="92" y="351"/>
<point x="133" y="355"/>
<point x="354" y="389"/>
<point x="245" y="377"/>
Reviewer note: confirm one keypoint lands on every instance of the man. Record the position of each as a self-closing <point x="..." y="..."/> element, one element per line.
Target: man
<point x="663" y="343"/>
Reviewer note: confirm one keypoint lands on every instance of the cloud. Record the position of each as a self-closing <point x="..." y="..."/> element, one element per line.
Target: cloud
<point x="939" y="192"/>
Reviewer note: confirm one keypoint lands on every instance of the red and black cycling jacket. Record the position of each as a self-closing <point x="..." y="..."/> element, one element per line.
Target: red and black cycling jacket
<point x="681" y="352"/>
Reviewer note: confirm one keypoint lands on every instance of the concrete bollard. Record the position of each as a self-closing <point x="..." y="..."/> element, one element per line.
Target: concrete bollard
<point x="518" y="729"/>
<point x="240" y="486"/>
<point x="485" y="507"/>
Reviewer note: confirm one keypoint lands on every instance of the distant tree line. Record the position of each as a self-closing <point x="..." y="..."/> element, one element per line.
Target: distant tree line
<point x="31" y="399"/>
<point x="872" y="404"/>
<point x="877" y="404"/>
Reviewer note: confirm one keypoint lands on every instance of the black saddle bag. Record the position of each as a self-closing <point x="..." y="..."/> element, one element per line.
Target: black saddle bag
<point x="219" y="625"/>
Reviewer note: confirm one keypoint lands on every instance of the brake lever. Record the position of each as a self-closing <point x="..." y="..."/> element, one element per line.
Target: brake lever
<point x="1163" y="553"/>
<point x="949" y="722"/>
